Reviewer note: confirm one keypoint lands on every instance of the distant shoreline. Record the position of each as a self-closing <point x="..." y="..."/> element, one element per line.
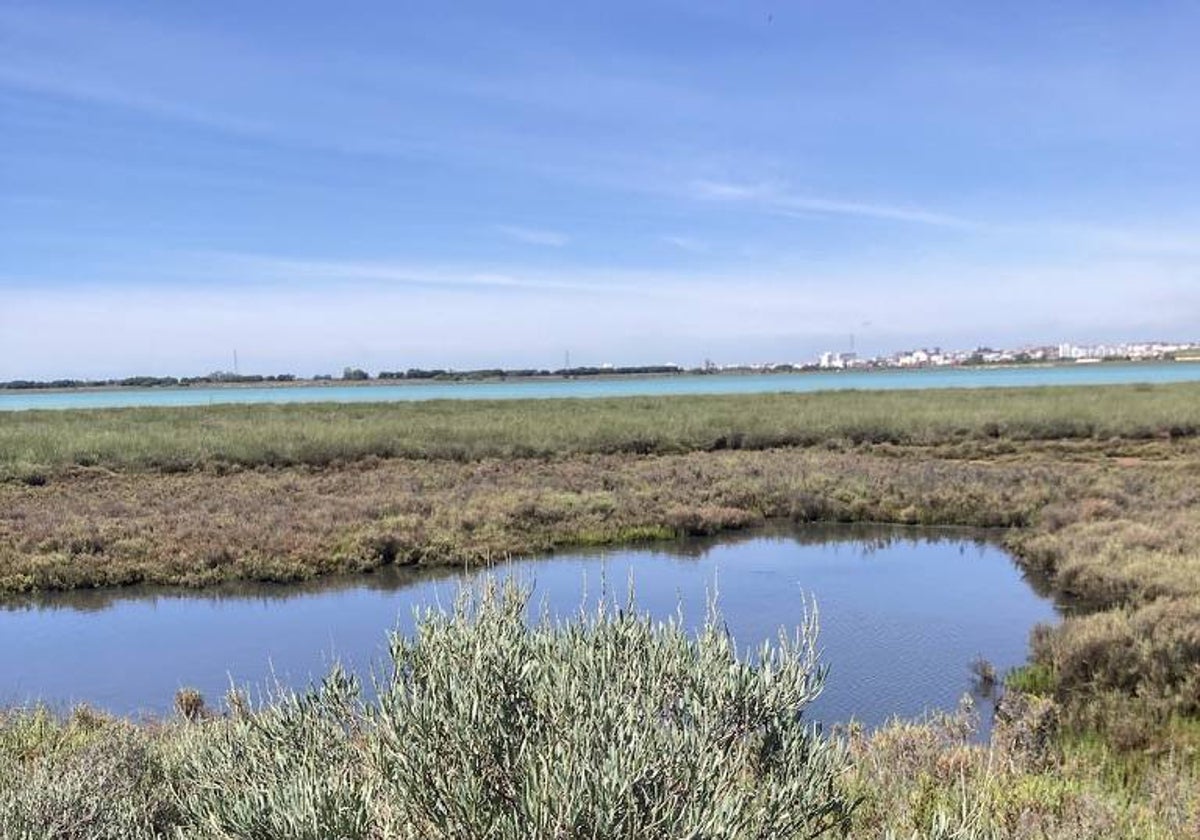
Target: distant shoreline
<point x="451" y="379"/>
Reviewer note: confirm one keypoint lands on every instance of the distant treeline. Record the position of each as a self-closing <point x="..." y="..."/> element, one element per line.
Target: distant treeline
<point x="145" y="381"/>
<point x="501" y="373"/>
<point x="353" y="374"/>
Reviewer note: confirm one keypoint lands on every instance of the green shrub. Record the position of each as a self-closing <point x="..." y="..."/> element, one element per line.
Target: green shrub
<point x="609" y="726"/>
<point x="288" y="770"/>
<point x="1034" y="678"/>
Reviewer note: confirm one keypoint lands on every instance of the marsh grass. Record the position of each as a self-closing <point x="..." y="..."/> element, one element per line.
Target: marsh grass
<point x="34" y="445"/>
<point x="923" y="779"/>
<point x="293" y="524"/>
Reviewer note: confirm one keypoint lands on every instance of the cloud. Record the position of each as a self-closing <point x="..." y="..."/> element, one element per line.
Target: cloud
<point x="686" y="243"/>
<point x="724" y="191"/>
<point x="271" y="270"/>
<point x="774" y="198"/>
<point x="534" y="236"/>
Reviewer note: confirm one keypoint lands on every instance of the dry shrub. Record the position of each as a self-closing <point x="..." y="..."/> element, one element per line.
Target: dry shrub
<point x="1026" y="729"/>
<point x="710" y="519"/>
<point x="1151" y="652"/>
<point x="111" y="785"/>
<point x="189" y="705"/>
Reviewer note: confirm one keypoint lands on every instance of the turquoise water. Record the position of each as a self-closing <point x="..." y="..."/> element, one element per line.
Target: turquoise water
<point x="903" y="612"/>
<point x="1101" y="374"/>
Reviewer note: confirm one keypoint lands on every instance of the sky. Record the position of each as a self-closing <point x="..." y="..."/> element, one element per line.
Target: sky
<point x="478" y="184"/>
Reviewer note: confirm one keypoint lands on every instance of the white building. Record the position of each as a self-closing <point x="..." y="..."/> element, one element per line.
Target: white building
<point x="837" y="361"/>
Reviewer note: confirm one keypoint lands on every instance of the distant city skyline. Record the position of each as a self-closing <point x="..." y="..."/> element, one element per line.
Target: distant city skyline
<point x="933" y="354"/>
<point x="482" y="184"/>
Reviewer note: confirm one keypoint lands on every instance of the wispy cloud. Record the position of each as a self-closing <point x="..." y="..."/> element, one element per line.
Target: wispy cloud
<point x="778" y="199"/>
<point x="534" y="236"/>
<point x="686" y="243"/>
<point x="229" y="267"/>
<point x="726" y="191"/>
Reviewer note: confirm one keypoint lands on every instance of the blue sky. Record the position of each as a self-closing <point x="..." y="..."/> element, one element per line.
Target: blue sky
<point x="472" y="184"/>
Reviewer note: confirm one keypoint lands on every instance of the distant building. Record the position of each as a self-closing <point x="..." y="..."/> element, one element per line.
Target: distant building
<point x="837" y="361"/>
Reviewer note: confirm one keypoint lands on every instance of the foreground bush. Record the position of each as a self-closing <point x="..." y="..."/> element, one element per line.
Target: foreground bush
<point x="928" y="781"/>
<point x="609" y="726"/>
<point x="84" y="779"/>
<point x="292" y="769"/>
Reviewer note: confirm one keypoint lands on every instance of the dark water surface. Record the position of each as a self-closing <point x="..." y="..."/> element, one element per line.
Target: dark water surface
<point x="622" y="386"/>
<point x="903" y="612"/>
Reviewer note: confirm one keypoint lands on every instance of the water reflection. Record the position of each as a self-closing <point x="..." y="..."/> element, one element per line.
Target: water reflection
<point x="904" y="613"/>
<point x="869" y="538"/>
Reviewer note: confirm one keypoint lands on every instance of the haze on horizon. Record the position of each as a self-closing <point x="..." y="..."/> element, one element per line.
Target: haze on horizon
<point x="393" y="185"/>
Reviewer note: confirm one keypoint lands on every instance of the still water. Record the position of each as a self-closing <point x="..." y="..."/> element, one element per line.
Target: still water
<point x="903" y="613"/>
<point x="962" y="377"/>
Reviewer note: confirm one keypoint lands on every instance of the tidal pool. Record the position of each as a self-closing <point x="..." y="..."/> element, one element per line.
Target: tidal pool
<point x="903" y="613"/>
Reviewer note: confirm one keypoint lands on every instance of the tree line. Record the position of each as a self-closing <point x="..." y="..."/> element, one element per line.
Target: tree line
<point x="349" y="374"/>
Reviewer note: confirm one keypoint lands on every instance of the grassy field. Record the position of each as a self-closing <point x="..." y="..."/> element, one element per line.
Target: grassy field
<point x="1098" y="490"/>
<point x="37" y="444"/>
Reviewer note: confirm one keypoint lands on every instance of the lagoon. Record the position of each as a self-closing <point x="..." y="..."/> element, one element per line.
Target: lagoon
<point x="903" y="613"/>
<point x="953" y="377"/>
